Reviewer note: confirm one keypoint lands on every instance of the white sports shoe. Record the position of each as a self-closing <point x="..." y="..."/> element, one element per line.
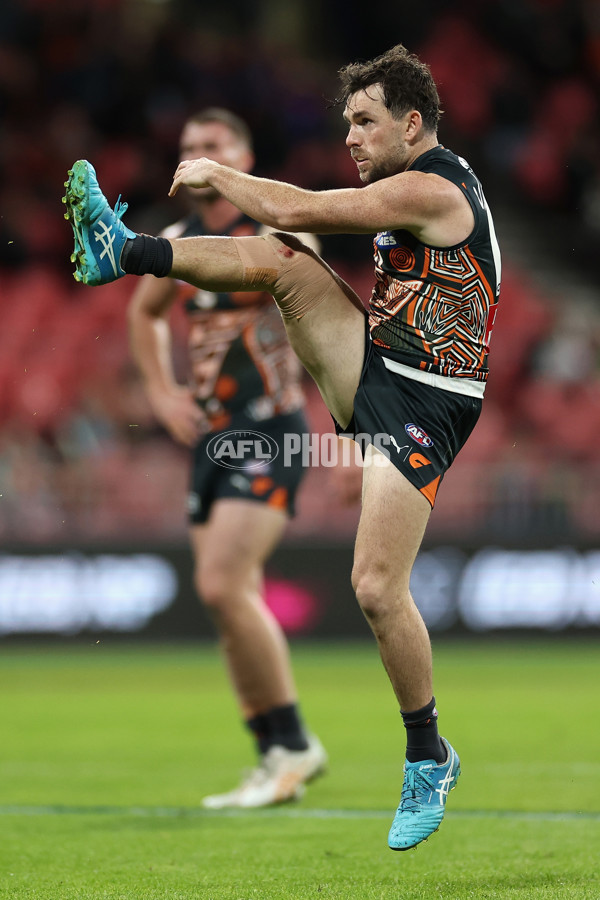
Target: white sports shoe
<point x="280" y="776"/>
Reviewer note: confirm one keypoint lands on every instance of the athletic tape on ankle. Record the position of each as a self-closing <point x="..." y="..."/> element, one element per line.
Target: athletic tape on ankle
<point x="285" y="267"/>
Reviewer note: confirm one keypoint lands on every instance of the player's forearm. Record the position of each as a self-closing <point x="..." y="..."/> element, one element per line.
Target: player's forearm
<point x="286" y="207"/>
<point x="274" y="203"/>
<point x="150" y="341"/>
<point x="279" y="205"/>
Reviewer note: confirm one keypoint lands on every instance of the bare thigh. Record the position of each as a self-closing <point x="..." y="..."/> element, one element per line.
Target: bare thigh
<point x="393" y="519"/>
<point x="231" y="549"/>
<point x="324" y="320"/>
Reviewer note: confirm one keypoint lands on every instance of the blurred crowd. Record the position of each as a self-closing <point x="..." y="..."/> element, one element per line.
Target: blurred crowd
<point x="113" y="80"/>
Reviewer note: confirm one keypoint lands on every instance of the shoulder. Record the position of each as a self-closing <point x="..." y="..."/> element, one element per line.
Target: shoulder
<point x="437" y="158"/>
<point x="448" y="165"/>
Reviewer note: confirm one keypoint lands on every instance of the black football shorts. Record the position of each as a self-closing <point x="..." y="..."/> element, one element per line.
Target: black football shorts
<point x="246" y="462"/>
<point x="421" y="428"/>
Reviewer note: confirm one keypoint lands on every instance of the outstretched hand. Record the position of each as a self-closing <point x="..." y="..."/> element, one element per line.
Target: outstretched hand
<point x="192" y="172"/>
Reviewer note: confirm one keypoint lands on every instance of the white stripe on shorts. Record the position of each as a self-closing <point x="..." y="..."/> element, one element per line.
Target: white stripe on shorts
<point x="445" y="382"/>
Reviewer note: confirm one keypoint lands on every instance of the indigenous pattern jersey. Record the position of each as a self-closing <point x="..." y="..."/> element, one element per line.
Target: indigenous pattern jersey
<point x="433" y="308"/>
<point x="241" y="364"/>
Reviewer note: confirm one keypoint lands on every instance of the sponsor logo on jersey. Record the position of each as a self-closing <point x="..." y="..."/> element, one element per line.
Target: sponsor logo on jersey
<point x="385" y="239"/>
<point x="418" y="435"/>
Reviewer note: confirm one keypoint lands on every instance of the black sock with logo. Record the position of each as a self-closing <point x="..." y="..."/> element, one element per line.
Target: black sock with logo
<point x="422" y="738"/>
<point x="146" y="255"/>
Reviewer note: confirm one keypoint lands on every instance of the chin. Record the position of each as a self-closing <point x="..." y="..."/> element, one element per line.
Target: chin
<point x="377" y="175"/>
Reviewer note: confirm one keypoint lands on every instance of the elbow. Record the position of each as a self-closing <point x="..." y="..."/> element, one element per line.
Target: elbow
<point x="286" y="219"/>
<point x="290" y="222"/>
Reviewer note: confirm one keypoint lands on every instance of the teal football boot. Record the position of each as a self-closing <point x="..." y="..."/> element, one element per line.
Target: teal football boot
<point x="98" y="230"/>
<point x="423" y="801"/>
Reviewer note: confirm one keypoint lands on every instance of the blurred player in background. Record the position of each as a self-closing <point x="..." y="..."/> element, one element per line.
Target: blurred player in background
<point x="410" y="379"/>
<point x="244" y="376"/>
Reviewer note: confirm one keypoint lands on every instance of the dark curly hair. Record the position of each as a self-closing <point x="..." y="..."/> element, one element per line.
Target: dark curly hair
<point x="406" y="83"/>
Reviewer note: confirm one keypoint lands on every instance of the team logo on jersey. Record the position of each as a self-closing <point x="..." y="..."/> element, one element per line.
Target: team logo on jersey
<point x="242" y="449"/>
<point x="402" y="259"/>
<point x="418" y="435"/>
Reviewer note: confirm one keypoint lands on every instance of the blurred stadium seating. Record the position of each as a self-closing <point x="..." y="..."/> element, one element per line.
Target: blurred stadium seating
<point x="80" y="455"/>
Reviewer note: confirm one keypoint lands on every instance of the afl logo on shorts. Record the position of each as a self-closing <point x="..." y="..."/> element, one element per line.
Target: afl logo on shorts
<point x="418" y="435"/>
<point x="242" y="449"/>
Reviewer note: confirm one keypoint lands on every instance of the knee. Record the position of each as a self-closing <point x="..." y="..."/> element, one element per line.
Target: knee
<point x="368" y="587"/>
<point x="376" y="591"/>
<point x="303" y="280"/>
<point x="215" y="589"/>
<point x="286" y="244"/>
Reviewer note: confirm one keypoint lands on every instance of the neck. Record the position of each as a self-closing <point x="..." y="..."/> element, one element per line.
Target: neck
<point x="425" y="143"/>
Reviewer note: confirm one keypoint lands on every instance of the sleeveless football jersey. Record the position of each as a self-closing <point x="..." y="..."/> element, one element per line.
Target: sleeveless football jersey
<point x="241" y="364"/>
<point x="432" y="308"/>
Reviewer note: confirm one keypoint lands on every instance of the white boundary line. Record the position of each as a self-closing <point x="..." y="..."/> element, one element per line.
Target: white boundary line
<point x="282" y="812"/>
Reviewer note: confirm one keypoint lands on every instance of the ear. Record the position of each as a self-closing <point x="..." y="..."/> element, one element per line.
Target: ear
<point x="414" y="124"/>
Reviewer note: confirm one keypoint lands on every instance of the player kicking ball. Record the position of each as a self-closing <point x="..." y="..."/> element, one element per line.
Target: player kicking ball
<point x="409" y="373"/>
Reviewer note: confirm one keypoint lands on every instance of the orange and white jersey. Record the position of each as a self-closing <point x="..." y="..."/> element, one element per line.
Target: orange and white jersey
<point x="433" y="309"/>
<point x="240" y="361"/>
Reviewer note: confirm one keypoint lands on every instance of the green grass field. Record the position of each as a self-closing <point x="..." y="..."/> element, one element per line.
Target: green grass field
<point x="106" y="752"/>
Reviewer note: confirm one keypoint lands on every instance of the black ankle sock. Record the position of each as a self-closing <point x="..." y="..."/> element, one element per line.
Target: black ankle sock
<point x="285" y="727"/>
<point x="146" y="255"/>
<point x="258" y="727"/>
<point x="281" y="725"/>
<point x="422" y="738"/>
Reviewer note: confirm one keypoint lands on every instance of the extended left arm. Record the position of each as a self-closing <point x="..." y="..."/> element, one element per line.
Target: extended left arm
<point x="431" y="207"/>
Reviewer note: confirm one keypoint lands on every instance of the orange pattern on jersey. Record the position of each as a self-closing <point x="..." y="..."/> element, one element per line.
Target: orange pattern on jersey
<point x="226" y="387"/>
<point x="260" y="330"/>
<point x="402" y="259"/>
<point x="237" y="344"/>
<point x="443" y="320"/>
<point x="211" y="335"/>
<point x="278" y="365"/>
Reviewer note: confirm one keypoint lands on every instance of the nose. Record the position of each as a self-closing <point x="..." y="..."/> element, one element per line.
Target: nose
<point x="352" y="139"/>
